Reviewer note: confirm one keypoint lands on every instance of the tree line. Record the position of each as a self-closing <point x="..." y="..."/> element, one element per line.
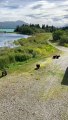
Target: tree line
<point x="34" y="28"/>
<point x="60" y="35"/>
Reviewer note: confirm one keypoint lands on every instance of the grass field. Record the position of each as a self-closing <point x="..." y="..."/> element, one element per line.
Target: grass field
<point x="30" y="50"/>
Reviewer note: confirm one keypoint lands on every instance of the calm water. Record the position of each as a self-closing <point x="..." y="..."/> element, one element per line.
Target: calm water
<point x="6" y="30"/>
<point x="6" y="39"/>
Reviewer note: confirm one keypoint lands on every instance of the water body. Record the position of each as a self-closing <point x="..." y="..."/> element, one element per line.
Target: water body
<point x="6" y="39"/>
<point x="6" y="30"/>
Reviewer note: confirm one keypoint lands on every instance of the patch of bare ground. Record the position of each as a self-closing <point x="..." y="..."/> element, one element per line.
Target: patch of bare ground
<point x="36" y="96"/>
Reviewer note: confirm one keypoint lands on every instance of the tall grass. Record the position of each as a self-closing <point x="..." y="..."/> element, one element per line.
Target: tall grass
<point x="32" y="47"/>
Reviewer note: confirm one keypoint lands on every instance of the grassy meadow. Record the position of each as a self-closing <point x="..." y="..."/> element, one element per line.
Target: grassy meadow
<point x="30" y="50"/>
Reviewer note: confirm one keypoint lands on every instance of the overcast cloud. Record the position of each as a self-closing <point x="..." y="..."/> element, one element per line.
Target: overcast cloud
<point x="51" y="12"/>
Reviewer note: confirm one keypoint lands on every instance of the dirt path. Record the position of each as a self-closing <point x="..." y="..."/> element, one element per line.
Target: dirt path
<point x="64" y="49"/>
<point x="38" y="95"/>
<point x="63" y="60"/>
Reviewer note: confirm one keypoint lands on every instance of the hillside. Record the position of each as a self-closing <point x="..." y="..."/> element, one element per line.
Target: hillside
<point x="11" y="24"/>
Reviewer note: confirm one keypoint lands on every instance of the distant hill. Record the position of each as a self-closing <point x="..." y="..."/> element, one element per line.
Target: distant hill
<point x="11" y="24"/>
<point x="65" y="28"/>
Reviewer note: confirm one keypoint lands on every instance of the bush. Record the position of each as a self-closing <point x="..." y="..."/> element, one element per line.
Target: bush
<point x="57" y="35"/>
<point x="64" y="39"/>
<point x="21" y="57"/>
<point x="4" y="61"/>
<point x="12" y="58"/>
<point x="66" y="45"/>
<point x="32" y="52"/>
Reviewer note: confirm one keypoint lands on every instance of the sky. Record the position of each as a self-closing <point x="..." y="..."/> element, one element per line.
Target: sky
<point x="51" y="12"/>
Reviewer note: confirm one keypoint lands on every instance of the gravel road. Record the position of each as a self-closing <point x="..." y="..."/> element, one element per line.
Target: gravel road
<point x="38" y="95"/>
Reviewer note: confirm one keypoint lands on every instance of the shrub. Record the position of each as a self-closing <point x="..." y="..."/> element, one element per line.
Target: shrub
<point x="4" y="61"/>
<point x="57" y="35"/>
<point x="64" y="39"/>
<point x="66" y="45"/>
<point x="12" y="58"/>
<point x="32" y="52"/>
<point x="21" y="57"/>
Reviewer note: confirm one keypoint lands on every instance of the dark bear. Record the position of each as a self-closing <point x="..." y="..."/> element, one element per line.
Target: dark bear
<point x="37" y="66"/>
<point x="56" y="56"/>
<point x="4" y="73"/>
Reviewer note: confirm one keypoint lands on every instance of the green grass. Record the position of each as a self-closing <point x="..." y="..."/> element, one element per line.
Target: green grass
<point x="26" y="66"/>
<point x="30" y="50"/>
<point x="66" y="45"/>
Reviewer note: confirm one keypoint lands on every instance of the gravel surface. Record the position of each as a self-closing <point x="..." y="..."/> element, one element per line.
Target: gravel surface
<point x="36" y="96"/>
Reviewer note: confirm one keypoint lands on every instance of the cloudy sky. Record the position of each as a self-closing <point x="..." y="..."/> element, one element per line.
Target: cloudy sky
<point x="51" y="12"/>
